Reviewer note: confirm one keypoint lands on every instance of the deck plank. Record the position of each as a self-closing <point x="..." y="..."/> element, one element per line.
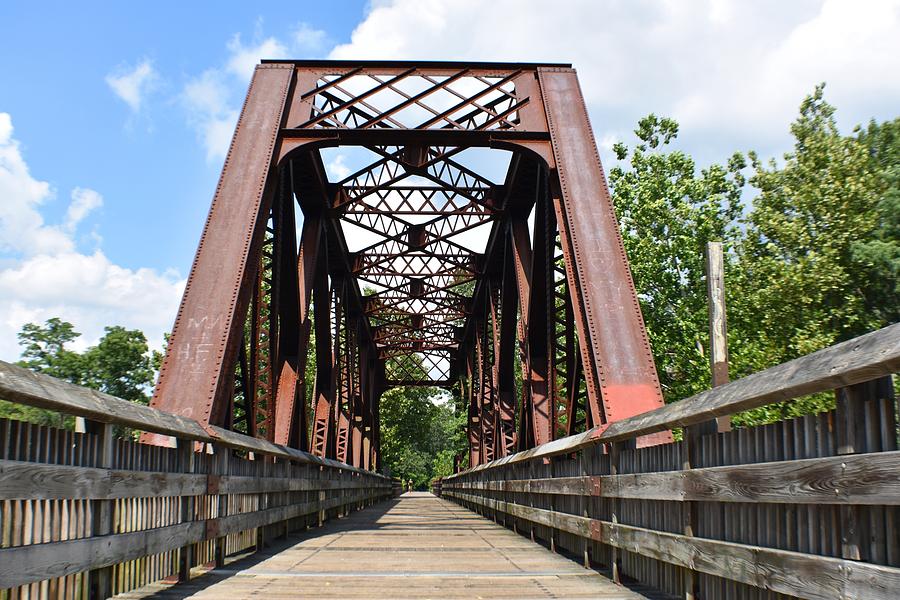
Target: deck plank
<point x="415" y="546"/>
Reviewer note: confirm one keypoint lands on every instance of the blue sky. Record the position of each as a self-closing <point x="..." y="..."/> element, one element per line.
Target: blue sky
<point x="114" y="117"/>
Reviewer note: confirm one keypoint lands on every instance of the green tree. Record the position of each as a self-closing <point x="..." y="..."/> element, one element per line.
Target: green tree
<point x="878" y="257"/>
<point x="668" y="210"/>
<point x="420" y="435"/>
<point x="44" y="350"/>
<point x="120" y="364"/>
<point x="801" y="274"/>
<point x="820" y="258"/>
<point x="806" y="275"/>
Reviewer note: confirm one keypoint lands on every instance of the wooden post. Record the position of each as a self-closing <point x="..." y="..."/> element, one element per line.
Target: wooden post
<point x="186" y="462"/>
<point x="223" y="456"/>
<point x="718" y="363"/>
<point x="584" y="501"/>
<point x="321" y="511"/>
<point x="718" y="332"/>
<point x="101" y="580"/>
<point x="850" y="413"/>
<point x="690" y="446"/>
<point x="615" y="457"/>
<point x="262" y="470"/>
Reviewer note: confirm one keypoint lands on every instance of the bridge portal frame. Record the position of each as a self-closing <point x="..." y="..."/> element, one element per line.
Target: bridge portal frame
<point x="566" y="285"/>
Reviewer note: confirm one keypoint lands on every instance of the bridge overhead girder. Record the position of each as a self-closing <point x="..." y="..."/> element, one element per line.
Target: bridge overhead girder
<point x="415" y="269"/>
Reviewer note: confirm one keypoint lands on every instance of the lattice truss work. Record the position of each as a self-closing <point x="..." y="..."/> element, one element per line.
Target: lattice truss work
<point x="422" y="266"/>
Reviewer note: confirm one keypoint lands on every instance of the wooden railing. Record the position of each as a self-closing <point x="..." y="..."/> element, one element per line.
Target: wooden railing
<point x="806" y="507"/>
<point x="85" y="515"/>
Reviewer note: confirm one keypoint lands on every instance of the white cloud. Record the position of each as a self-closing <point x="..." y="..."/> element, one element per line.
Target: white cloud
<point x="84" y="201"/>
<point x="732" y="72"/>
<point x="206" y="99"/>
<point x="43" y="274"/>
<point x="212" y="98"/>
<point x="22" y="228"/>
<point x="308" y="39"/>
<point x="243" y="59"/>
<point x="337" y="169"/>
<point x="132" y="85"/>
<point x="90" y="292"/>
<point x="209" y="98"/>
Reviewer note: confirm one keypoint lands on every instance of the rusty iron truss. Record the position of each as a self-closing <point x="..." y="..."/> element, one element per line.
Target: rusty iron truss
<point x="418" y="268"/>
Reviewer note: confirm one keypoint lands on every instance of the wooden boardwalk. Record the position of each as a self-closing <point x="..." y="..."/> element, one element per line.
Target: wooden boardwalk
<point x="416" y="546"/>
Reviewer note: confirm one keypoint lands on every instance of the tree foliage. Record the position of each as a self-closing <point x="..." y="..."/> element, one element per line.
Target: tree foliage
<point x="120" y="364"/>
<point x="667" y="212"/>
<point x="812" y="260"/>
<point x="420" y="434"/>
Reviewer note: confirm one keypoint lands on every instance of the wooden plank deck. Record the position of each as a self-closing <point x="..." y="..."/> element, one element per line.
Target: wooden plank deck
<point x="415" y="546"/>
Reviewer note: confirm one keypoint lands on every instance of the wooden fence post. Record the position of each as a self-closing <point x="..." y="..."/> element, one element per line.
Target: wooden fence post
<point x="855" y="436"/>
<point x="102" y="511"/>
<point x="186" y="464"/>
<point x="223" y="458"/>
<point x="718" y="331"/>
<point x="690" y="452"/>
<point x="615" y="466"/>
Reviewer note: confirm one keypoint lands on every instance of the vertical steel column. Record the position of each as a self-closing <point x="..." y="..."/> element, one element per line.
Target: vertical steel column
<point x="323" y="425"/>
<point x="540" y="321"/>
<point x="474" y="417"/>
<point x="286" y="289"/>
<point x="619" y="368"/>
<point x="504" y="359"/>
<point x="195" y="379"/>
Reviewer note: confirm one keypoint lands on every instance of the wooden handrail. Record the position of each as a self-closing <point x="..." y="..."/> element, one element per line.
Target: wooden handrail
<point x="861" y="359"/>
<point x="23" y="386"/>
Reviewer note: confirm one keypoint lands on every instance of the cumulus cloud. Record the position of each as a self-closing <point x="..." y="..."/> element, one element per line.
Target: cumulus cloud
<point x="84" y="201"/>
<point x="210" y="113"/>
<point x="133" y="84"/>
<point x="307" y="39"/>
<point x="242" y="59"/>
<point x="213" y="98"/>
<point x="732" y="72"/>
<point x="22" y="228"/>
<point x="43" y="274"/>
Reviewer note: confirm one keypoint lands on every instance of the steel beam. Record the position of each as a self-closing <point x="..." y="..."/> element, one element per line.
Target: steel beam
<point x="615" y="351"/>
<point x="196" y="377"/>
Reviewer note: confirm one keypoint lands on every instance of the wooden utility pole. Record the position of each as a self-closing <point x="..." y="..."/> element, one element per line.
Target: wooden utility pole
<point x="718" y="340"/>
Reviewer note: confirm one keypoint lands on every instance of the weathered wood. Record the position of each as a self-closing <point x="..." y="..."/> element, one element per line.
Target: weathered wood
<point x="36" y="562"/>
<point x="801" y="575"/>
<point x="861" y="359"/>
<point x="574" y="486"/>
<point x="416" y="546"/>
<point x="798" y="574"/>
<point x="573" y="524"/>
<point x="100" y="581"/>
<point x="35" y="389"/>
<point x="37" y="481"/>
<point x="718" y="331"/>
<point x="65" y="494"/>
<point x="872" y="479"/>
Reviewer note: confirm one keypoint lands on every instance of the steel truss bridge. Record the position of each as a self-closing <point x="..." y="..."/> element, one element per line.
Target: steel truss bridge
<point x="471" y="245"/>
